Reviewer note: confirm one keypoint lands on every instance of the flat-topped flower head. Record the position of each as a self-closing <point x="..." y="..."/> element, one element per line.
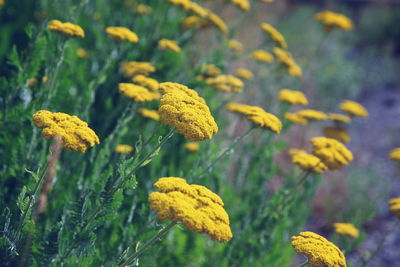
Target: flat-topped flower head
<point x="119" y="34"/>
<point x="336" y="132"/>
<point x="169" y="45"/>
<point x="242" y="4"/>
<point x="331" y="152"/>
<point x="198" y="208"/>
<point x="347" y="229"/>
<point x="226" y="83"/>
<point x="235" y="46"/>
<point x="336" y="117"/>
<point x="194" y="22"/>
<point x="149" y="83"/>
<point x="124" y="149"/>
<point x="244" y="74"/>
<point x="286" y="59"/>
<point x="149" y="113"/>
<point x="395" y="154"/>
<point x="143" y="10"/>
<point x="312" y="114"/>
<point x="257" y="115"/>
<point x="333" y="20"/>
<point x="192" y="147"/>
<point x="394" y="206"/>
<point x="75" y="133"/>
<point x="66" y="28"/>
<point x="292" y="97"/>
<point x="307" y="161"/>
<point x="295" y="118"/>
<point x="353" y="108"/>
<point x="274" y="34"/>
<point x="132" y="68"/>
<point x="218" y="22"/>
<point x="137" y="93"/>
<point x="185" y="110"/>
<point x="262" y="56"/>
<point x="210" y="70"/>
<point x="319" y="251"/>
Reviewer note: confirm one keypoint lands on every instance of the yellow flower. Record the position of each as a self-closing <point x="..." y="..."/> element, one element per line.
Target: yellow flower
<point x="132" y="68"/>
<point x="346" y="229"/>
<point x="45" y="79"/>
<point x="2" y="3"/>
<point x="185" y="4"/>
<point x="286" y="59"/>
<point x="244" y="74"/>
<point x="124" y="149"/>
<point x="395" y="154"/>
<point x="32" y="82"/>
<point x="194" y="22"/>
<point x="137" y="93"/>
<point x="75" y="133"/>
<point x="336" y="132"/>
<point x="295" y="118"/>
<point x="66" y="28"/>
<point x="226" y="83"/>
<point x="307" y="161"/>
<point x="218" y="22"/>
<point x="262" y="56"/>
<point x="353" y="108"/>
<point x="319" y="251"/>
<point x="143" y="10"/>
<point x="334" y="20"/>
<point x="122" y="34"/>
<point x="185" y="110"/>
<point x="312" y="114"/>
<point x="149" y="113"/>
<point x="292" y="97"/>
<point x="198" y="9"/>
<point x="198" y="208"/>
<point x="192" y="147"/>
<point x="333" y="153"/>
<point x="211" y="70"/>
<point x="81" y="53"/>
<point x="394" y="206"/>
<point x="339" y="118"/>
<point x="275" y="35"/>
<point x="147" y="82"/>
<point x="235" y="45"/>
<point x="242" y="4"/>
<point x="169" y="45"/>
<point x="257" y="116"/>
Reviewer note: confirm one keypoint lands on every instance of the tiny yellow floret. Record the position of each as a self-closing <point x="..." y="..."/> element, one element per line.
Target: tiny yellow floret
<point x="66" y="28"/>
<point x="347" y="229"/>
<point x="119" y="34"/>
<point x="333" y="153"/>
<point x="353" y="108"/>
<point x="292" y="97"/>
<point x="124" y="149"/>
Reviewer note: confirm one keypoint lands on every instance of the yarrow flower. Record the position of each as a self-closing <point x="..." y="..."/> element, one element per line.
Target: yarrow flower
<point x="137" y="93"/>
<point x="395" y="154"/>
<point x="307" y="161"/>
<point x="198" y="208"/>
<point x="32" y="82"/>
<point x="81" y="53"/>
<point x="132" y="68"/>
<point x="194" y="22"/>
<point x="346" y="229"/>
<point x="295" y="118"/>
<point x="333" y="20"/>
<point x="143" y="10"/>
<point x="211" y="70"/>
<point x="235" y="45"/>
<point x="124" y="149"/>
<point x="336" y="132"/>
<point x="257" y="115"/>
<point x="66" y="28"/>
<point x="244" y="74"/>
<point x="192" y="147"/>
<point x="149" y="113"/>
<point x="286" y="59"/>
<point x="331" y="152"/>
<point x="149" y="83"/>
<point x="319" y="251"/>
<point x="274" y="34"/>
<point x="242" y="4"/>
<point x="353" y="108"/>
<point x="119" y="34"/>
<point x="218" y="22"/>
<point x="394" y="206"/>
<point x="226" y="83"/>
<point x="170" y="45"/>
<point x="185" y="110"/>
<point x="339" y="118"/>
<point x="292" y="97"/>
<point x="75" y="133"/>
<point x="262" y="56"/>
<point x="312" y="114"/>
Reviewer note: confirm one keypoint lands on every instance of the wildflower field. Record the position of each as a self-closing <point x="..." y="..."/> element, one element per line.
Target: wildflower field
<point x="196" y="133"/>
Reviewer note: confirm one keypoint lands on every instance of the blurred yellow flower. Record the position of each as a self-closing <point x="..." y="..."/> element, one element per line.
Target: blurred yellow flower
<point x="132" y="68"/>
<point x="353" y="108"/>
<point x="336" y="132"/>
<point x="333" y="20"/>
<point x="295" y="118"/>
<point x="198" y="9"/>
<point x="339" y="118"/>
<point x="185" y="110"/>
<point x="124" y="149"/>
<point x="235" y="45"/>
<point x="262" y="56"/>
<point x="194" y="22"/>
<point x="394" y="206"/>
<point x="149" y="113"/>
<point x="226" y="83"/>
<point x="395" y="154"/>
<point x="319" y="251"/>
<point x="143" y="10"/>
<point x="307" y="161"/>
<point x="346" y="229"/>
<point x="32" y="82"/>
<point x="2" y="2"/>
<point x="185" y="4"/>
<point x="81" y="53"/>
<point x="170" y="45"/>
<point x="286" y="59"/>
<point x="218" y="22"/>
<point x="75" y="133"/>
<point x="333" y="153"/>
<point x="244" y="74"/>
<point x="211" y="70"/>
<point x="242" y="4"/>
<point x="45" y="79"/>
<point x="66" y="28"/>
<point x="122" y="34"/>
<point x="274" y="34"/>
<point x="198" y="208"/>
<point x="137" y="93"/>
<point x="292" y="97"/>
<point x="149" y="83"/>
<point x="312" y="114"/>
<point x="192" y="147"/>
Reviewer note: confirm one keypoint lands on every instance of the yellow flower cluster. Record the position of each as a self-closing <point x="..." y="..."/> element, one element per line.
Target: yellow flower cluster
<point x="149" y="83"/>
<point x="170" y="45"/>
<point x="132" y="68"/>
<point x="395" y="154"/>
<point x="235" y="45"/>
<point x="32" y="82"/>
<point x="198" y="208"/>
<point x="137" y="93"/>
<point x="75" y="133"/>
<point x="226" y="83"/>
<point x="292" y="97"/>
<point x="124" y="149"/>
<point x="194" y="22"/>
<point x="312" y="114"/>
<point x="339" y="118"/>
<point x="346" y="229"/>
<point x="185" y="110"/>
<point x="336" y="132"/>
<point x="394" y="206"/>
<point x="353" y="108"/>
<point x="218" y="22"/>
<point x="192" y="147"/>
<point x="333" y="153"/>
<point x="262" y="56"/>
<point x="2" y="3"/>
<point x="274" y="34"/>
<point x="242" y="4"/>
<point x="307" y="161"/>
<point x="66" y="28"/>
<point x="81" y="53"/>
<point x="319" y="251"/>
<point x="295" y="118"/>
<point x="122" y="34"/>
<point x="143" y="10"/>
<point x="149" y="113"/>
<point x="244" y="74"/>
<point x="211" y="70"/>
<point x="257" y="115"/>
<point x="333" y="20"/>
<point x="286" y="59"/>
